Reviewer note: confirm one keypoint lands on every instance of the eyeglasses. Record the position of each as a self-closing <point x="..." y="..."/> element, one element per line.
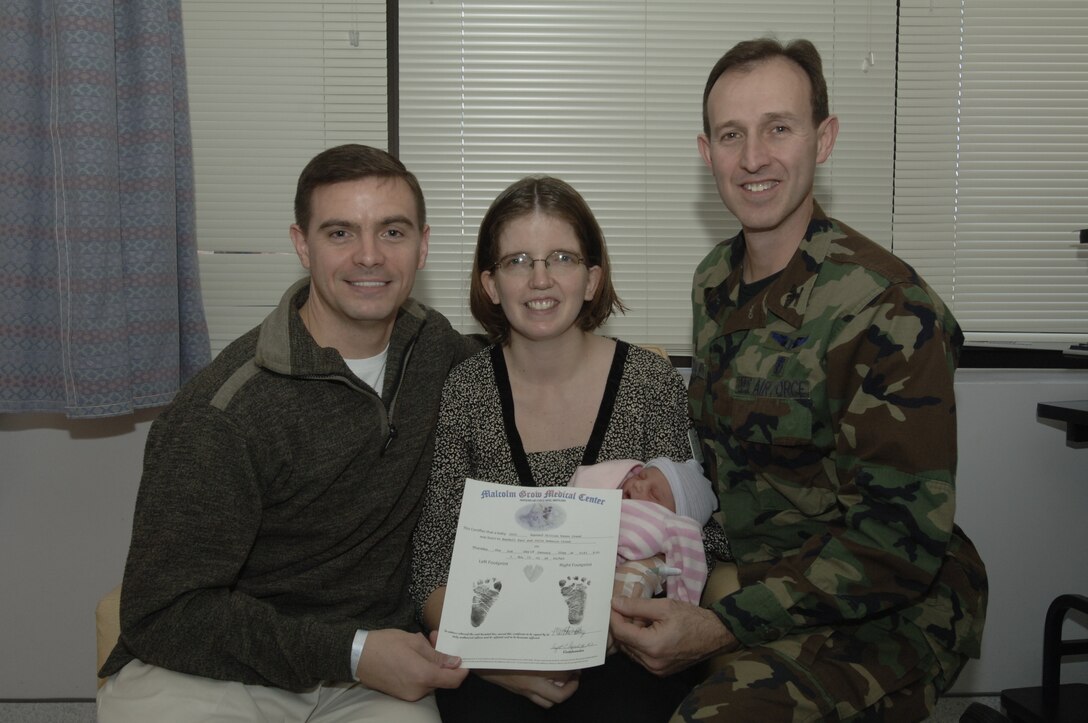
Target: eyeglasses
<point x="557" y="262"/>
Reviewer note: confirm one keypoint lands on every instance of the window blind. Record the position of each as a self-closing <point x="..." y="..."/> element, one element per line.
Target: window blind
<point x="991" y="173"/>
<point x="987" y="105"/>
<point x="271" y="84"/>
<point x="607" y="96"/>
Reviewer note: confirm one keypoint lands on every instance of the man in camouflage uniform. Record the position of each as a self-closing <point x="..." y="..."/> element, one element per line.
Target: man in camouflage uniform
<point x="822" y="392"/>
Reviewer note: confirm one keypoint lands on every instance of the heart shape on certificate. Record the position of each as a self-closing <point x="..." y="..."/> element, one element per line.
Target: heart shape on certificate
<point x="533" y="572"/>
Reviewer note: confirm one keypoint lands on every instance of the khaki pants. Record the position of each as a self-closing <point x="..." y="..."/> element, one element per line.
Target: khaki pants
<point x="139" y="693"/>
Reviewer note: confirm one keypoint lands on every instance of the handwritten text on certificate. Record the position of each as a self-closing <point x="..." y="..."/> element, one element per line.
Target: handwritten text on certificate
<point x="530" y="584"/>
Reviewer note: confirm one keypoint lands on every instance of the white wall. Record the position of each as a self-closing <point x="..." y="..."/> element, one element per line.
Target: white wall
<point x="67" y="491"/>
<point x="1023" y="499"/>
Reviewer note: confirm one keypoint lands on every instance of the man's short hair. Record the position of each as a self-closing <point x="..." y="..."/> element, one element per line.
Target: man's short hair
<point x="351" y="162"/>
<point x="746" y="54"/>
<point x="557" y="199"/>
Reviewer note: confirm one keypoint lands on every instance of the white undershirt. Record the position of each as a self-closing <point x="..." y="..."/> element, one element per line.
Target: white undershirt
<point x="371" y="370"/>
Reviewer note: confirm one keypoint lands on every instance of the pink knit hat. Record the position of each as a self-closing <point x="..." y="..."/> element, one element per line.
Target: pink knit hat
<point x="691" y="490"/>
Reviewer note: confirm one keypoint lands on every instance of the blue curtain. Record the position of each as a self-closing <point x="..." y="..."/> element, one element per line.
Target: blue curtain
<point x="100" y="308"/>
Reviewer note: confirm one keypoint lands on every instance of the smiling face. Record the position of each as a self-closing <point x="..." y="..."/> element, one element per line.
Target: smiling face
<point x="764" y="146"/>
<point x="362" y="248"/>
<point x="543" y="304"/>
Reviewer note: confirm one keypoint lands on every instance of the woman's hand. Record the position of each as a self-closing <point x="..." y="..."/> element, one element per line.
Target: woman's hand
<point x="545" y="688"/>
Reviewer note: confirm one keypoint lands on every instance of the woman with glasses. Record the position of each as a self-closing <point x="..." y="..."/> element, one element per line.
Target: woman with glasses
<point x="549" y="395"/>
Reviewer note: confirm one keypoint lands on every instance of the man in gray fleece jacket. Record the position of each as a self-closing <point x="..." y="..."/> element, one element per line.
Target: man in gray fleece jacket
<point x="267" y="574"/>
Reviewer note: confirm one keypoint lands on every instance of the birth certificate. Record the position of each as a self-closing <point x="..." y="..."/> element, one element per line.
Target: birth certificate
<point x="530" y="583"/>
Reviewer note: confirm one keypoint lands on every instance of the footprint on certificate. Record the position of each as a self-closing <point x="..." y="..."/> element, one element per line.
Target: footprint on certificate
<point x="532" y="572"/>
<point x="484" y="595"/>
<point x="574" y="592"/>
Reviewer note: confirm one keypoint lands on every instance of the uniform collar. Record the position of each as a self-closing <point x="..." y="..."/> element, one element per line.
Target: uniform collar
<point x="787" y="296"/>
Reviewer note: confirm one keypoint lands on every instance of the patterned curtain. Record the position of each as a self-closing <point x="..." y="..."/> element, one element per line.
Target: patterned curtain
<point x="100" y="308"/>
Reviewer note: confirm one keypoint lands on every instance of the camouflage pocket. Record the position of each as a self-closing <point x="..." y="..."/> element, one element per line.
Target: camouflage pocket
<point x="772" y="420"/>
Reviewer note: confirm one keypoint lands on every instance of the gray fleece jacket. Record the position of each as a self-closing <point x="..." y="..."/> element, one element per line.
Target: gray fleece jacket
<point x="276" y="508"/>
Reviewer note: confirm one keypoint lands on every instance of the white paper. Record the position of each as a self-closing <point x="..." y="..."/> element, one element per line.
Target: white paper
<point x="530" y="584"/>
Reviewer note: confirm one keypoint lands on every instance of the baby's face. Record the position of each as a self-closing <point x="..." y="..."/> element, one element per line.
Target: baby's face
<point x="649" y="484"/>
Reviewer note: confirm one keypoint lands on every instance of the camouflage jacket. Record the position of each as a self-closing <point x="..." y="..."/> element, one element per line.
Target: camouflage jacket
<point x="826" y="415"/>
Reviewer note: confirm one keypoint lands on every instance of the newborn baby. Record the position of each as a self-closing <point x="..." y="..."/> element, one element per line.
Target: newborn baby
<point x="665" y="506"/>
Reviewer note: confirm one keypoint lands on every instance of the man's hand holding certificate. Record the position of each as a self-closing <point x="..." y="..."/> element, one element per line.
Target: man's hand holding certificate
<point x="530" y="582"/>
